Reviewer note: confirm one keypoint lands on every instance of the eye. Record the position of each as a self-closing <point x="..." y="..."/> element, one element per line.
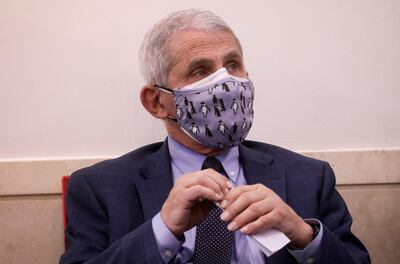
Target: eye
<point x="199" y="73"/>
<point x="232" y="67"/>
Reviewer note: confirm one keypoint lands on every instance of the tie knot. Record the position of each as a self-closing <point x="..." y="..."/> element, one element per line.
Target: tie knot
<point x="213" y="163"/>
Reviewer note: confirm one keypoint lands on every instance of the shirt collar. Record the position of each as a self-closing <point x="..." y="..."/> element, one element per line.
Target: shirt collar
<point x="180" y="155"/>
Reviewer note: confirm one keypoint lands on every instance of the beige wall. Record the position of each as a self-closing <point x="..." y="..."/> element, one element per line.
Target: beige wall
<point x="31" y="216"/>
<point x="376" y="213"/>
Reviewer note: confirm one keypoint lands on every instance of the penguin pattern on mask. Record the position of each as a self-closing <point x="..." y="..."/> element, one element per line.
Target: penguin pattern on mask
<point x="225" y="87"/>
<point x="210" y="119"/>
<point x="219" y="106"/>
<point x="244" y="124"/>
<point x="194" y="128"/>
<point x="189" y="116"/>
<point x="234" y="106"/>
<point x="211" y="89"/>
<point x="192" y="110"/>
<point x="234" y="128"/>
<point x="204" y="109"/>
<point x="178" y="111"/>
<point x="222" y="127"/>
<point x="242" y="107"/>
<point x="216" y="111"/>
<point x="208" y="131"/>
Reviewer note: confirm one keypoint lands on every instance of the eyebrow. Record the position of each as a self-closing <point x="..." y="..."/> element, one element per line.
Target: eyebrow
<point x="193" y="64"/>
<point x="233" y="55"/>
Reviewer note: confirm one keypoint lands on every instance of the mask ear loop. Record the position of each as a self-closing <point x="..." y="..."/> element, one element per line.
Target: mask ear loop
<point x="170" y="91"/>
<point x="173" y="119"/>
<point x="164" y="89"/>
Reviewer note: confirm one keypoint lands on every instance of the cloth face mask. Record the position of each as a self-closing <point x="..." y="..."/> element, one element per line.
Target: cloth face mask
<point x="216" y="111"/>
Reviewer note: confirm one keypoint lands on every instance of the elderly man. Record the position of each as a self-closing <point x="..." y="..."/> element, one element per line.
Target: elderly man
<point x="197" y="196"/>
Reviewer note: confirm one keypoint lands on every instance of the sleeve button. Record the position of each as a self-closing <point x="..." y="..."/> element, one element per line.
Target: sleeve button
<point x="168" y="253"/>
<point x="310" y="261"/>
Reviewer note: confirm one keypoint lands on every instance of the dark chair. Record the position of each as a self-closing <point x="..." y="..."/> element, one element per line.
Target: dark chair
<point x="64" y="186"/>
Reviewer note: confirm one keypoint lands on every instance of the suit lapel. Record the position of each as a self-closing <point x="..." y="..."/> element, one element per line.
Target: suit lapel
<point x="155" y="182"/>
<point x="259" y="167"/>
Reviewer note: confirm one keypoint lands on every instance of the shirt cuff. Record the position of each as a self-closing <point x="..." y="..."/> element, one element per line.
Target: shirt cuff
<point x="307" y="254"/>
<point x="168" y="245"/>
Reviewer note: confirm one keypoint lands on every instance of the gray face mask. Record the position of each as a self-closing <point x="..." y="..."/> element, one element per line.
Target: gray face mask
<point x="216" y="111"/>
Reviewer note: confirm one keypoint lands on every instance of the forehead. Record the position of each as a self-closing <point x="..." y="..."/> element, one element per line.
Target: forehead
<point x="187" y="45"/>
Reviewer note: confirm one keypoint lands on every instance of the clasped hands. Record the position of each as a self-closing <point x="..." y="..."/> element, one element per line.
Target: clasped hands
<point x="248" y="208"/>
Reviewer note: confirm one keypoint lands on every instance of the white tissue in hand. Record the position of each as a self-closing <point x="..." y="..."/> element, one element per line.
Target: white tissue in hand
<point x="271" y="240"/>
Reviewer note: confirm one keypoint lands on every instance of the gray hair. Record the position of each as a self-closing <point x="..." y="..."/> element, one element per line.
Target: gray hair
<point x="155" y="62"/>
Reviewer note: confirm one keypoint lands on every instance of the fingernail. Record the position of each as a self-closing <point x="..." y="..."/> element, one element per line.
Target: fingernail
<point x="232" y="226"/>
<point x="229" y="184"/>
<point x="224" y="216"/>
<point x="224" y="203"/>
<point x="218" y="196"/>
<point x="244" y="230"/>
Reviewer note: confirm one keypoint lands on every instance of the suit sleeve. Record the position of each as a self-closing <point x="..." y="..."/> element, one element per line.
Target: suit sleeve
<point x="88" y="237"/>
<point x="338" y="244"/>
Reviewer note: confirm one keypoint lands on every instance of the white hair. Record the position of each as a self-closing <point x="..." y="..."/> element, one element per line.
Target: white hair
<point x="154" y="59"/>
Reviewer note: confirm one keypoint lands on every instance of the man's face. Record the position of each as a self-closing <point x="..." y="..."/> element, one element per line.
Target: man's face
<point x="196" y="54"/>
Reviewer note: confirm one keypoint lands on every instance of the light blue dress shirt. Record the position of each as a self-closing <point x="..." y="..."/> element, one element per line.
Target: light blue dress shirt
<point x="245" y="251"/>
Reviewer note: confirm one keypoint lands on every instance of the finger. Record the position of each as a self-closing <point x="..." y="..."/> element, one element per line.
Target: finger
<point x="262" y="223"/>
<point x="220" y="179"/>
<point x="198" y="178"/>
<point x="208" y="178"/>
<point x="250" y="214"/>
<point x="236" y="192"/>
<point x="243" y="201"/>
<point x="200" y="193"/>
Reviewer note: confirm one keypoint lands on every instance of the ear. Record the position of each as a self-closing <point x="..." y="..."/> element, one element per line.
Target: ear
<point x="151" y="100"/>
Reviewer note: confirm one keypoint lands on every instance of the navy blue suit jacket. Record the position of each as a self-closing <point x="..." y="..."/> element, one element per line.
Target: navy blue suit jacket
<point x="110" y="205"/>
